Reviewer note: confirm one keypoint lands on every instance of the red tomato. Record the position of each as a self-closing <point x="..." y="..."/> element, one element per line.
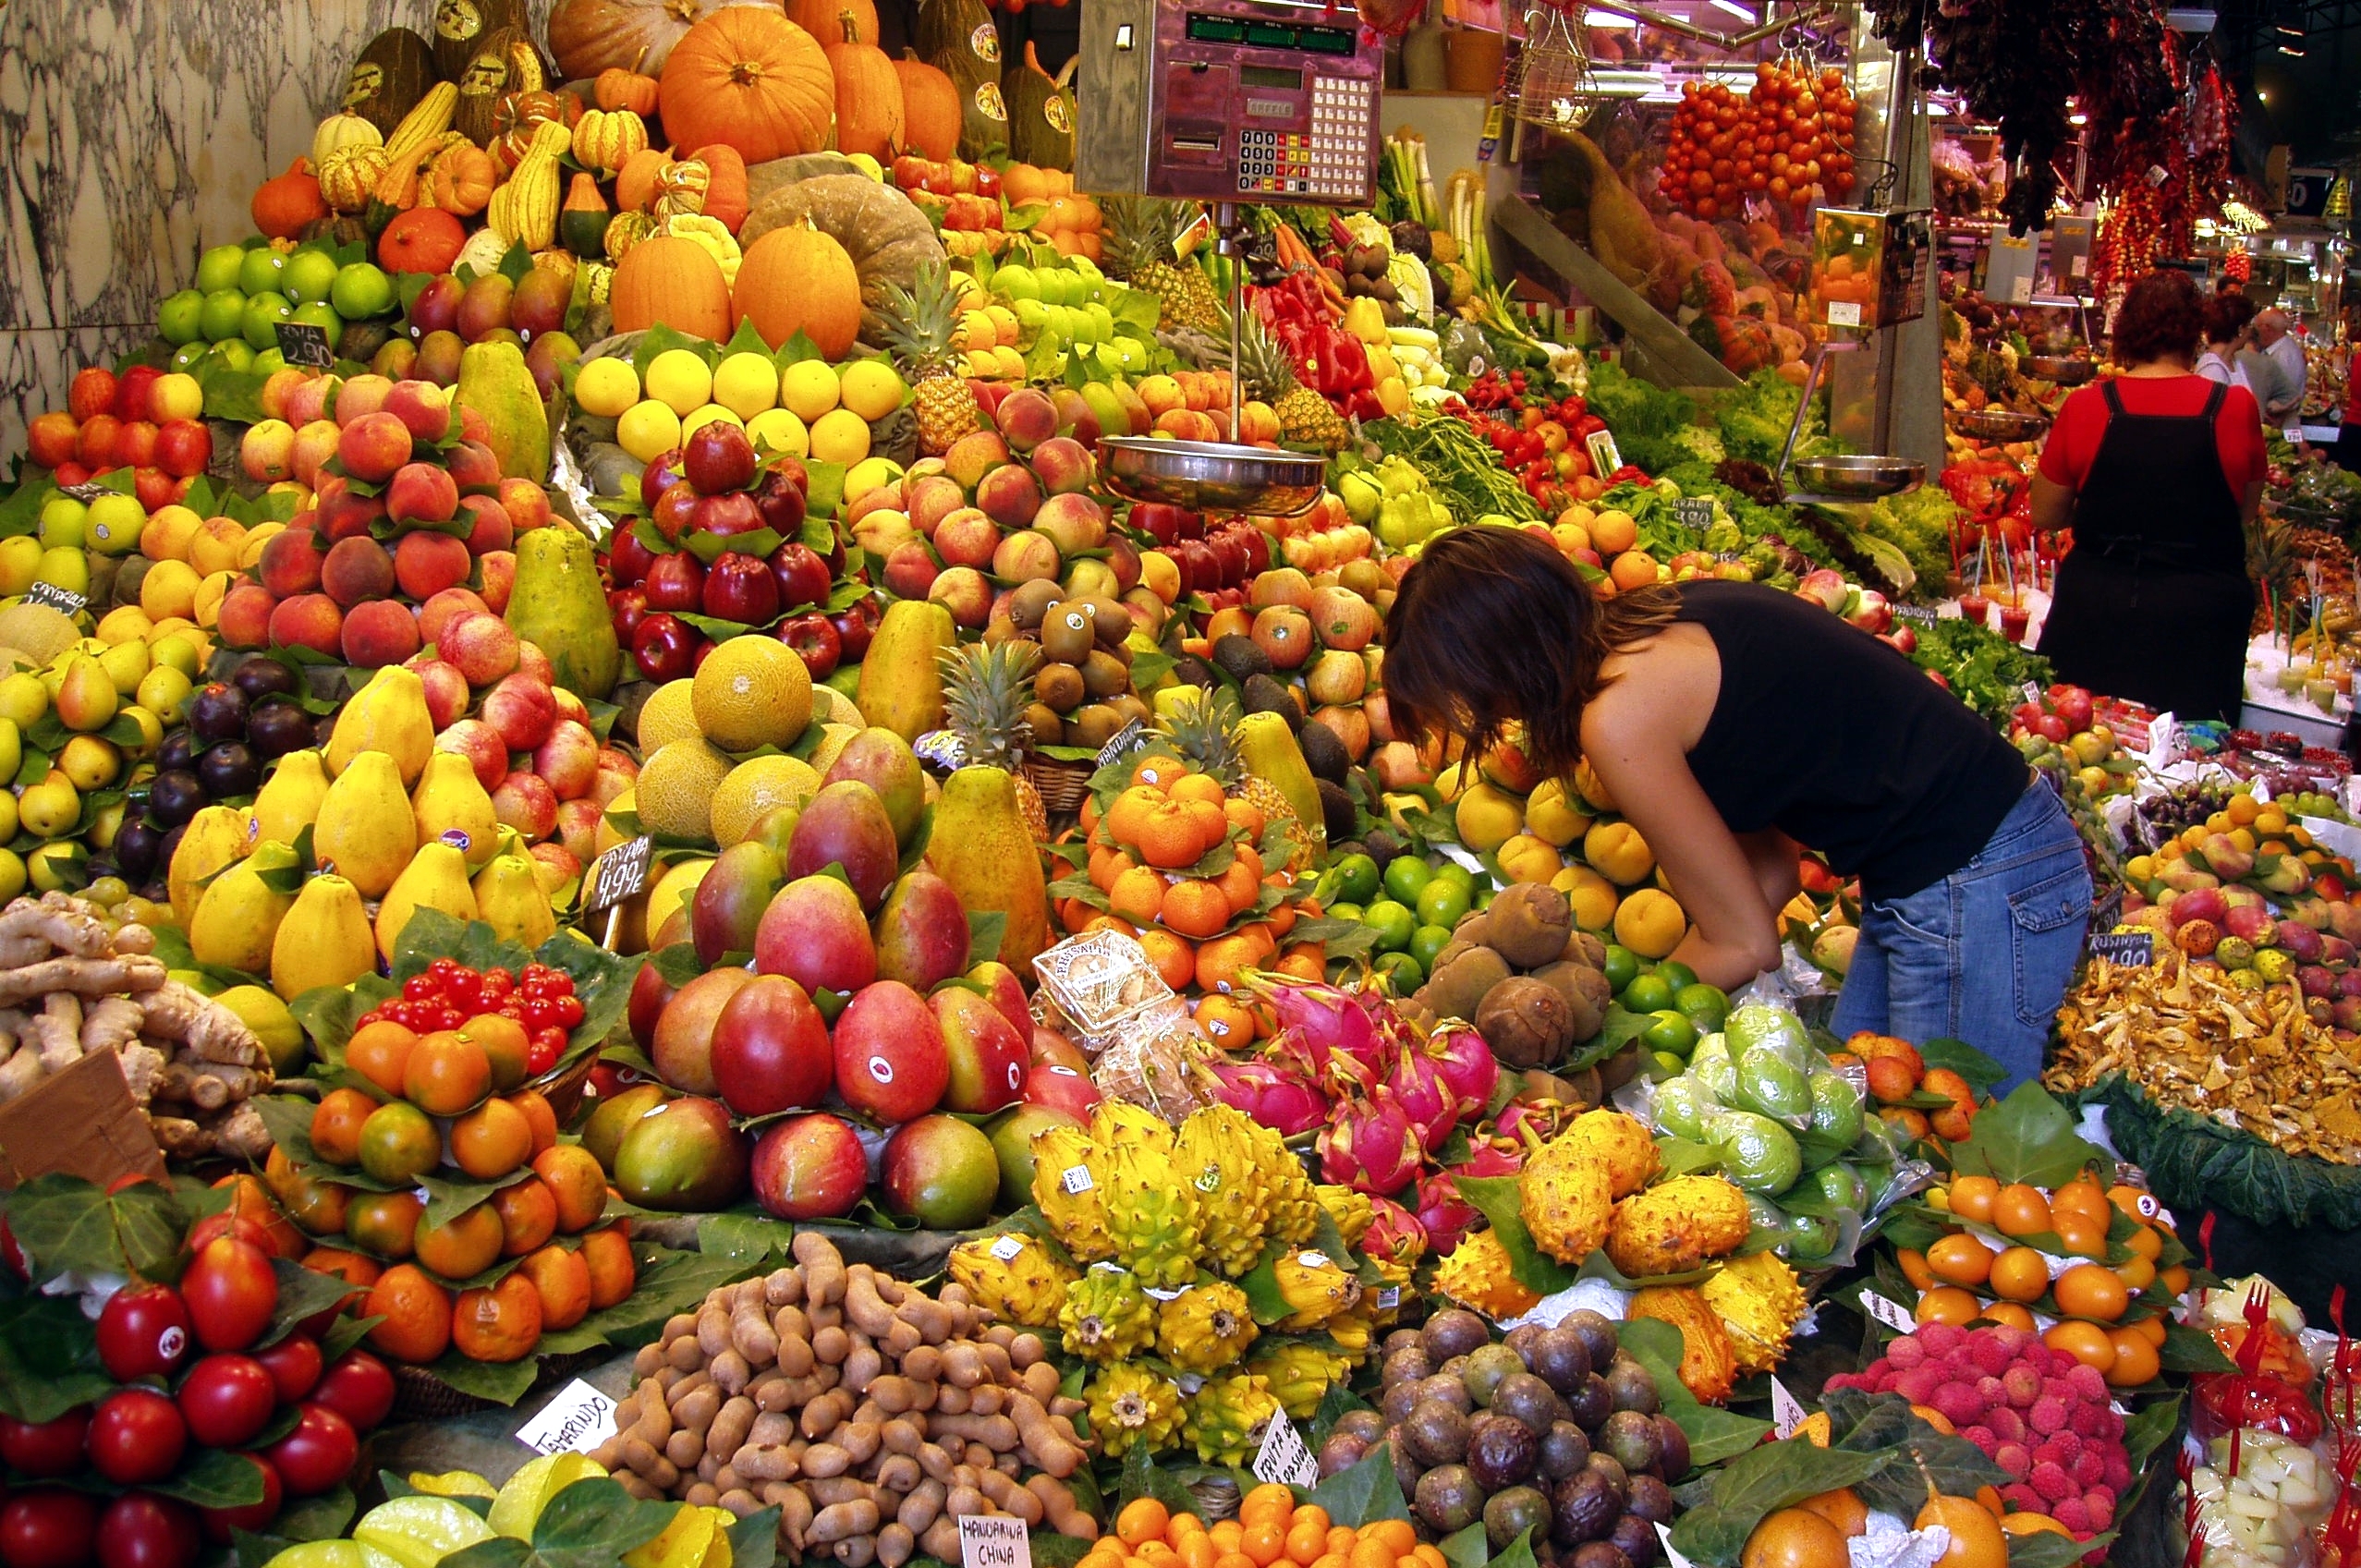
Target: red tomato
<point x="220" y="1521"/>
<point x="226" y="1399"/>
<point x="142" y="1530"/>
<point x="53" y="1447"/>
<point x="137" y="1435"/>
<point x="295" y="1365"/>
<point x="142" y="1332"/>
<point x="359" y="1388"/>
<point x="1757" y="180"/>
<point x="48" y="1527"/>
<point x="231" y="1293"/>
<point x="318" y="1454"/>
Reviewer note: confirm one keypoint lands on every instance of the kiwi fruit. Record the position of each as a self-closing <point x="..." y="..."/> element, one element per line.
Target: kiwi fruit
<point x="1029" y="602"/>
<point x="1324" y="754"/>
<point x="1103" y="674"/>
<point x="1093" y="725"/>
<point x="1000" y="629"/>
<point x="1336" y="811"/>
<point x="1112" y="621"/>
<point x="1239" y="657"/>
<point x="1044" y="721"/>
<point x="1058" y="686"/>
<point x="1067" y="634"/>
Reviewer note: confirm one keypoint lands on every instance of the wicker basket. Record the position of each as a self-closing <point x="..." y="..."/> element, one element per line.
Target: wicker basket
<point x="1062" y="786"/>
<point x="418" y="1396"/>
<point x="563" y="1089"/>
<point x="1548" y="83"/>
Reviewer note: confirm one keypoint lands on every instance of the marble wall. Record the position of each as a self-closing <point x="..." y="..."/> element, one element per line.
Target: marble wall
<point x="132" y="135"/>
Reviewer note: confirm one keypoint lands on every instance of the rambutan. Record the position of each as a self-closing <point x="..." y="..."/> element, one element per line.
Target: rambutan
<point x="2026" y="1498"/>
<point x="2053" y="1482"/>
<point x="2089" y="1468"/>
<point x="2090" y="1420"/>
<point x="2024" y="1386"/>
<point x="1904" y="1353"/>
<point x="1981" y="1435"/>
<point x="2119" y="1470"/>
<point x="1918" y="1384"/>
<point x="2073" y="1516"/>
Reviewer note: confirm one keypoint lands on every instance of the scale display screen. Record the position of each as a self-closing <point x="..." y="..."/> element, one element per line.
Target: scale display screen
<point x="1207" y="28"/>
<point x="1269" y="76"/>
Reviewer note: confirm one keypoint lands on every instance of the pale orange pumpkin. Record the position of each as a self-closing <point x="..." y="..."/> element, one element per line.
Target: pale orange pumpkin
<point x="869" y="91"/>
<point x="798" y="279"/>
<point x="619" y="89"/>
<point x="674" y="281"/>
<point x="459" y="179"/>
<point x="282" y="205"/>
<point x="751" y="78"/>
<point x="930" y="108"/>
<point x="636" y="185"/>
<point x="824" y="19"/>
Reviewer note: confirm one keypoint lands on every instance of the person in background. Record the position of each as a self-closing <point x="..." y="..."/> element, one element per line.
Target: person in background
<point x="2157" y="470"/>
<point x="2227" y="318"/>
<point x="2347" y="453"/>
<point x="2285" y="352"/>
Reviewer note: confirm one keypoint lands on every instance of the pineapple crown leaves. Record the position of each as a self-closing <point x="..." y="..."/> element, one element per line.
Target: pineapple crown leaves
<point x="986" y="688"/>
<point x="1203" y="730"/>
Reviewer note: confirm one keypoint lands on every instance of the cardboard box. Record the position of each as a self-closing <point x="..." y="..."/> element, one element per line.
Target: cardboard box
<point x="81" y="1121"/>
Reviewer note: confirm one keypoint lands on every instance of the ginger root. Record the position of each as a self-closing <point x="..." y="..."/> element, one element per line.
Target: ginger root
<point x="209" y="1029"/>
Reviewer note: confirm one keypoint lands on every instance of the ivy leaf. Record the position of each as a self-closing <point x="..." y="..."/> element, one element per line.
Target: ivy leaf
<point x="985" y="929"/>
<point x="1363" y="1495"/>
<point x="1885" y="1425"/>
<point x="2027" y="1137"/>
<point x="215" y="1478"/>
<point x="321" y="1518"/>
<point x="1714" y="1434"/>
<point x="2048" y="1548"/>
<point x="1143" y="1477"/>
<point x="303" y="1293"/>
<point x="1470" y="1548"/>
<point x="1339" y="1401"/>
<point x="48" y="1358"/>
<point x="64" y="1222"/>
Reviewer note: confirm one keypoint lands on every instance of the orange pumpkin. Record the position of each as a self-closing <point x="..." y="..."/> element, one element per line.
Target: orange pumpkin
<point x="619" y="89"/>
<point x="424" y="239"/>
<point x="283" y="206"/>
<point x="869" y="92"/>
<point x="752" y="78"/>
<point x="930" y="108"/>
<point x="824" y="19"/>
<point x="636" y="184"/>
<point x="459" y="179"/>
<point x="675" y="281"/>
<point x="726" y="191"/>
<point x="798" y="279"/>
<point x="517" y="115"/>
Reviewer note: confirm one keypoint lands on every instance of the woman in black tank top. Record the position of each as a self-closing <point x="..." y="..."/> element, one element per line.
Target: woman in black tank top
<point x="1732" y="723"/>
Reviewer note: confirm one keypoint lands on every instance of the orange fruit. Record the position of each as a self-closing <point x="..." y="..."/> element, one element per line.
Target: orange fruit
<point x="2136" y="1359"/>
<point x="1225" y="1533"/>
<point x="398" y="1144"/>
<point x="575" y="1179"/>
<point x="1138" y="895"/>
<point x="1195" y="1548"/>
<point x="378" y="1051"/>
<point x="252" y="1201"/>
<point x="2019" y="1274"/>
<point x="500" y="1322"/>
<point x="504" y="1043"/>
<point x="2149" y="1329"/>
<point x="1369" y="1552"/>
<point x="1989" y="1499"/>
<point x="2091" y="1290"/>
<point x="1243" y="816"/>
<point x="1307" y="1543"/>
<point x="1088" y="817"/>
<point x="2127" y="1198"/>
<point x="1221" y="961"/>
<point x="2012" y="1313"/>
<point x="563" y="1282"/>
<point x="1302" y="962"/>
<point x="492" y="1140"/>
<point x="1229" y="1022"/>
<point x="1173" y="955"/>
<point x="1917" y="1269"/>
<point x="2085" y="1197"/>
<point x="1795" y="1538"/>
<point x="1282" y="919"/>
<point x="2020" y="1210"/>
<point x="2086" y="1342"/>
<point x="447" y="1073"/>
<point x="2175" y="1278"/>
<point x="607" y="1253"/>
<point x="1129" y="815"/>
<point x="1195" y="907"/>
<point x="2146" y="1243"/>
<point x="1195" y="786"/>
<point x="2080" y="1234"/>
<point x="1841" y="1508"/>
<point x="1170" y="838"/>
<point x="464" y="1245"/>
<point x="1159" y="772"/>
<point x="2032" y="1525"/>
<point x="1264" y="1542"/>
<point x="1972" y="1197"/>
<point x="528" y="1211"/>
<point x="1934" y="1417"/>
<point x="1976" y="1537"/>
<point x="1960" y="1260"/>
<point x="349" y="1267"/>
<point x="1395" y="1533"/>
<point x="384" y="1222"/>
<point x="1946" y="1303"/>
<point x="417" y="1314"/>
<point x="1341" y="1539"/>
<point x="1212" y="826"/>
<point x="2138" y="1274"/>
<point x="335" y="1126"/>
<point x="1241" y="885"/>
<point x="538" y="1116"/>
<point x="1142" y="1519"/>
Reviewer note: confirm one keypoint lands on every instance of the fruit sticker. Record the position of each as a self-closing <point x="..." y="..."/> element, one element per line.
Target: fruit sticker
<point x="880" y="1069"/>
<point x="989" y="102"/>
<point x="366" y="78"/>
<point x="1076" y="1179"/>
<point x="1060" y="116"/>
<point x="486" y="74"/>
<point x="984" y="44"/>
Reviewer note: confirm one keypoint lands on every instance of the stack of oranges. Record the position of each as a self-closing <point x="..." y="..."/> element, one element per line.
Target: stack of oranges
<point x="450" y="1107"/>
<point x="1272" y="1531"/>
<point x="1897" y="1074"/>
<point x="1180" y="866"/>
<point x="2018" y="1250"/>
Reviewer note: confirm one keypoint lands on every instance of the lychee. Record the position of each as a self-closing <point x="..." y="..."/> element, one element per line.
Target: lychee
<point x="2073" y="1516"/>
<point x="2056" y="1387"/>
<point x="2024" y="1386"/>
<point x="2068" y="1447"/>
<point x="2085" y="1380"/>
<point x="2026" y="1498"/>
<point x="2048" y="1415"/>
<point x="2005" y="1423"/>
<point x="1941" y="1338"/>
<point x="1918" y="1384"/>
<point x="2014" y="1458"/>
<point x="2101" y="1505"/>
<point x="2090" y="1420"/>
<point x="1904" y="1353"/>
<point x="1961" y="1405"/>
<point x="2053" y="1482"/>
<point x="2089" y="1468"/>
<point x="1991" y="1391"/>
<point x="1990" y="1356"/>
<point x="2119" y="1470"/>
<point x="2011" y="1338"/>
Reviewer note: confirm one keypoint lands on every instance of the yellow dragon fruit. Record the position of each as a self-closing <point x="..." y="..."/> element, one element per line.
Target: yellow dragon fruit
<point x="1132" y="1407"/>
<point x="1014" y="1276"/>
<point x="1107" y="1317"/>
<point x="1215" y="1153"/>
<point x="1227" y="1417"/>
<point x="1315" y="1286"/>
<point x="1118" y="1121"/>
<point x="1294" y="1203"/>
<point x="1070" y="1189"/>
<point x="1205" y="1327"/>
<point x="1350" y="1209"/>
<point x="1151" y="1215"/>
<point x="1299" y="1373"/>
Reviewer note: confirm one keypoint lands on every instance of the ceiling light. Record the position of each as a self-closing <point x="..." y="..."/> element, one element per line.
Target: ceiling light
<point x="2291" y="52"/>
<point x="1738" y="11"/>
<point x="2290" y="32"/>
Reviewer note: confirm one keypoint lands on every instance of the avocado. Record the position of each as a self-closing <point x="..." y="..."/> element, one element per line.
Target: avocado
<point x="1324" y="753"/>
<point x="1189" y="669"/>
<point x="1240" y="659"/>
<point x="1265" y="695"/>
<point x="1381" y="846"/>
<point x="1336" y="809"/>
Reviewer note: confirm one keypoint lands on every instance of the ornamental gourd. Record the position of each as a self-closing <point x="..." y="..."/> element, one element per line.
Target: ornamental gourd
<point x="339" y="131"/>
<point x="868" y="93"/>
<point x="605" y="139"/>
<point x="930" y="109"/>
<point x="526" y="208"/>
<point x="582" y="221"/>
<point x="459" y="179"/>
<point x="590" y="36"/>
<point x="1040" y="113"/>
<point x="824" y="19"/>
<point x="673" y="281"/>
<point x="751" y="78"/>
<point x="619" y="89"/>
<point x="798" y="279"/>
<point x="958" y="38"/>
<point x="283" y="206"/>
<point x="518" y="115"/>
<point x="349" y="176"/>
<point x="725" y="196"/>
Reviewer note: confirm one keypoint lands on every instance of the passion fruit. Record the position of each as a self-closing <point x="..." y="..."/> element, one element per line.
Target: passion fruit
<point x="1583" y="1509"/>
<point x="1631" y="1438"/>
<point x="1447" y="1499"/>
<point x="1561" y="1358"/>
<point x="1598" y="1333"/>
<point x="1565" y="1448"/>
<point x="1632" y="1387"/>
<point x="1501" y="1451"/>
<point x="1407" y="1367"/>
<point x="1436" y="1434"/>
<point x="1592" y="1404"/>
<point x="1529" y="1400"/>
<point x="1512" y="1512"/>
<point x="1488" y="1368"/>
<point x="1458" y="1331"/>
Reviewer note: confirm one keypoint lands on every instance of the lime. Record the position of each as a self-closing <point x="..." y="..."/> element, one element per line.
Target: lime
<point x="310" y="275"/>
<point x="1620" y="965"/>
<point x="1647" y="994"/>
<point x="218" y="267"/>
<point x="1701" y="1004"/>
<point x="361" y="290"/>
<point x="1344" y="912"/>
<point x="1809" y="1239"/>
<point x="1484" y="897"/>
<point x="1401" y="971"/>
<point x="1452" y="871"/>
<point x="263" y="272"/>
<point x="1406" y="876"/>
<point x="221" y="315"/>
<point x="1842" y="1186"/>
<point x="1671" y="1034"/>
<point x="1836" y="1106"/>
<point x="1394" y="924"/>
<point x="1441" y="903"/>
<point x="1666" y="1062"/>
<point x="180" y="319"/>
<point x="1355" y="879"/>
<point x="1428" y="941"/>
<point x="1677" y="976"/>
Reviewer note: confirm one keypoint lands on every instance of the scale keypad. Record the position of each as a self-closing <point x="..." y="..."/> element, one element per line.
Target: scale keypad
<point x="1331" y="159"/>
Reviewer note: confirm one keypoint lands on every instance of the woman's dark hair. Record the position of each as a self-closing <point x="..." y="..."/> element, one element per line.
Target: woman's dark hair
<point x="2161" y="317"/>
<point x="2226" y="316"/>
<point x="1494" y="627"/>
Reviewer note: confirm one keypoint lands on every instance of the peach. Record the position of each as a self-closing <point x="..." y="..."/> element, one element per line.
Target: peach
<point x="421" y="493"/>
<point x="1027" y="418"/>
<point x="966" y="538"/>
<point x="499" y="577"/>
<point x="885" y="498"/>
<point x="526" y="502"/>
<point x="482" y="646"/>
<point x="617" y="773"/>
<point x="245" y="618"/>
<point x="531" y="660"/>
<point x="290" y="562"/>
<point x="423" y="406"/>
<point x="446" y="689"/>
<point x="276" y="386"/>
<point x="313" y="446"/>
<point x="360" y="397"/>
<point x="556" y="863"/>
<point x="312" y="399"/>
<point x="1025" y="556"/>
<point x="525" y="802"/>
<point x="218" y="545"/>
<point x="309" y="620"/>
<point x="356" y="569"/>
<point x="521" y="709"/>
<point x="1076" y="421"/>
<point x="568" y="760"/>
<point x="442" y="608"/>
<point x="928" y="501"/>
<point x="472" y="466"/>
<point x="965" y="593"/>
<point x="1009" y="496"/>
<point x="346" y="515"/>
<point x="380" y="632"/>
<point x="266" y="452"/>
<point x="1073" y="522"/>
<point x="493" y="529"/>
<point x="910" y="570"/>
<point x="374" y="446"/>
<point x="570" y="707"/>
<point x="974" y="456"/>
<point x="481" y="746"/>
<point x="1160" y="393"/>
<point x="578" y="828"/>
<point x="426" y="562"/>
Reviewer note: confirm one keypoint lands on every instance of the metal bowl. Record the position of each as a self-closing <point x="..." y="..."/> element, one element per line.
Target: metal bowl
<point x="1997" y="424"/>
<point x="1208" y="476"/>
<point x="2059" y="369"/>
<point x="1858" y="478"/>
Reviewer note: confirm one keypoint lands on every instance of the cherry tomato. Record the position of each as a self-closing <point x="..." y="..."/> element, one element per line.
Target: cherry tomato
<point x="318" y="1454"/>
<point x="142" y="1530"/>
<point x="220" y="1521"/>
<point x="142" y="1332"/>
<point x="231" y="1293"/>
<point x="137" y="1435"/>
<point x="226" y="1399"/>
<point x="53" y="1447"/>
<point x="48" y="1527"/>
<point x="295" y="1365"/>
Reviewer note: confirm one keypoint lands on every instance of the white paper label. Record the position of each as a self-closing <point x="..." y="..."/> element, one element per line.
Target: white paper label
<point x="2020" y="289"/>
<point x="1887" y="1312"/>
<point x="1075" y="1180"/>
<point x="1006" y="1248"/>
<point x="577" y="1419"/>
<point x="1841" y="314"/>
<point x="1786" y="1410"/>
<point x="994" y="1540"/>
<point x="1670" y="1556"/>
<point x="1312" y="1260"/>
<point x="1283" y="1459"/>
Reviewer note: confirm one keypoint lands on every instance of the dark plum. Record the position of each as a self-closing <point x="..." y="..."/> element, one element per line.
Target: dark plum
<point x="179" y="750"/>
<point x="259" y="675"/>
<point x="228" y="769"/>
<point x="135" y="849"/>
<point x="175" y="797"/>
<point x="277" y="726"/>
<point x="218" y="712"/>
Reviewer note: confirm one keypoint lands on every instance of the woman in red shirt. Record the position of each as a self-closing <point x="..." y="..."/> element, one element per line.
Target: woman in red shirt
<point x="2158" y="471"/>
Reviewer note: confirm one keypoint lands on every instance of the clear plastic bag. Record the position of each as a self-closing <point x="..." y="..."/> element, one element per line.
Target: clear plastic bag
<point x="1772" y="1058"/>
<point x="1160" y="1060"/>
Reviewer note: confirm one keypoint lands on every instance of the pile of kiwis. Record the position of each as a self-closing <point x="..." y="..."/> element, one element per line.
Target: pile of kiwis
<point x="1553" y="1431"/>
<point x="1364" y="274"/>
<point x="1082" y="682"/>
<point x="1523" y="975"/>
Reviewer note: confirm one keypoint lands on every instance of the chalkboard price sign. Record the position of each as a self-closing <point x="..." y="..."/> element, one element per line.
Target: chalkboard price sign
<point x="619" y="874"/>
<point x="2124" y="947"/>
<point x="305" y="344"/>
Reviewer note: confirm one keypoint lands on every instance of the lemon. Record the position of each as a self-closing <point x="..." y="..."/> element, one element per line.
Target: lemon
<point x="777" y="430"/>
<point x="23" y="698"/>
<point x="872" y="389"/>
<point x="871" y="473"/>
<point x="524" y="1494"/>
<point x="606" y="388"/>
<point x="747" y="385"/>
<point x="706" y="414"/>
<point x="840" y="436"/>
<point x="678" y="379"/>
<point x="418" y="1532"/>
<point x="677" y="786"/>
<point x="807" y="389"/>
<point x="754" y="788"/>
<point x="749" y="691"/>
<point x="667" y="716"/>
<point x="7" y="814"/>
<point x="647" y="429"/>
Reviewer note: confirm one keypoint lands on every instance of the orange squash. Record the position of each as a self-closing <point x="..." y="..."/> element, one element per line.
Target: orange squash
<point x="673" y="281"/>
<point x="796" y="279"/>
<point x="282" y="205"/>
<point x="824" y="19"/>
<point x="930" y="108"/>
<point x="619" y="89"/>
<point x="636" y="184"/>
<point x="725" y="190"/>
<point x="869" y="91"/>
<point x="751" y="78"/>
<point x="424" y="239"/>
<point x="459" y="179"/>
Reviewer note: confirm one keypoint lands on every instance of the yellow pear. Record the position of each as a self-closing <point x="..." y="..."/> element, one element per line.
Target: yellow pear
<point x="216" y="836"/>
<point x="290" y="798"/>
<point x="324" y="940"/>
<point x="451" y="800"/>
<point x="436" y="879"/>
<point x="366" y="830"/>
<point x="85" y="698"/>
<point x="510" y="899"/>
<point x="389" y="715"/>
<point x="237" y="917"/>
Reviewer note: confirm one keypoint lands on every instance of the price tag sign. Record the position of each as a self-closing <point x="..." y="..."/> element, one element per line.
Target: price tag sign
<point x="1889" y="1313"/>
<point x="940" y="748"/>
<point x="1283" y="1459"/>
<point x="2124" y="947"/>
<point x="56" y="598"/>
<point x="1844" y="312"/>
<point x="1786" y="1411"/>
<point x="2032" y="692"/>
<point x="302" y="344"/>
<point x="997" y="1540"/>
<point x="577" y="1419"/>
<point x="1693" y="512"/>
<point x="1671" y="1555"/>
<point x="1130" y="738"/>
<point x="1922" y="614"/>
<point x="619" y="873"/>
<point x="1605" y="457"/>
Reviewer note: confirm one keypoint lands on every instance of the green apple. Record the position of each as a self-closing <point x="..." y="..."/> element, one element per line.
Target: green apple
<point x="1013" y="283"/>
<point x="320" y="314"/>
<point x="113" y="524"/>
<point x="222" y="314"/>
<point x="187" y="356"/>
<point x="219" y="267"/>
<point x="361" y="290"/>
<point x="263" y="272"/>
<point x="63" y="521"/>
<point x="234" y="354"/>
<point x="259" y="324"/>
<point x="181" y="318"/>
<point x="267" y="361"/>
<point x="308" y="276"/>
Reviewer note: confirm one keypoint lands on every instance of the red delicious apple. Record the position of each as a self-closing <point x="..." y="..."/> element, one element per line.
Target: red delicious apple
<point x="782" y="501"/>
<point x="816" y="642"/>
<point x="732" y="512"/>
<point x="802" y="576"/>
<point x="91" y="392"/>
<point x="628" y="559"/>
<point x="676" y="582"/>
<point x="665" y="648"/>
<point x="717" y="458"/>
<point x="740" y="587"/>
<point x="184" y="447"/>
<point x="661" y="474"/>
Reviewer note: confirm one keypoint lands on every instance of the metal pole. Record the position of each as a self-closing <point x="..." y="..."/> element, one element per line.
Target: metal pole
<point x="1901" y="128"/>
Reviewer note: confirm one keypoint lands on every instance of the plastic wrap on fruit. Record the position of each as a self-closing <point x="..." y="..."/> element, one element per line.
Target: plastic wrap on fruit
<point x="1710" y="1065"/>
<point x="2263" y="1515"/>
<point x="1757" y="1153"/>
<point x="1463" y="341"/>
<point x="1772" y="1060"/>
<point x="2258" y="1402"/>
<point x="1160" y="1060"/>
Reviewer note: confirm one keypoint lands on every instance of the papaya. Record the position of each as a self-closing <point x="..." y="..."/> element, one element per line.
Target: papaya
<point x="494" y="382"/>
<point x="557" y="604"/>
<point x="901" y="689"/>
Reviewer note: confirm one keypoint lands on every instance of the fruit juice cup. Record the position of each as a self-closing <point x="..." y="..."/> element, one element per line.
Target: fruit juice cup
<point x="2322" y="693"/>
<point x="2291" y="678"/>
<point x="1976" y="608"/>
<point x="2015" y="618"/>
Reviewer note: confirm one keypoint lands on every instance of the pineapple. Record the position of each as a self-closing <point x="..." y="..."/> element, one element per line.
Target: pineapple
<point x="923" y="333"/>
<point x="1204" y="732"/>
<point x="1141" y="232"/>
<point x="1306" y="419"/>
<point x="985" y="690"/>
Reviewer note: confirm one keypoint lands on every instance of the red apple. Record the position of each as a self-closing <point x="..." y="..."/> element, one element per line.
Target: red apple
<point x="816" y="642"/>
<point x="740" y="587"/>
<point x="802" y="576"/>
<point x="717" y="458"/>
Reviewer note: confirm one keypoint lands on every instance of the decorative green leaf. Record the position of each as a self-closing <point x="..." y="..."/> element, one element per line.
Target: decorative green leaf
<point x="64" y="1222"/>
<point x="1980" y="1071"/>
<point x="2048" y="1548"/>
<point x="2029" y="1137"/>
<point x="985" y="929"/>
<point x="707" y="547"/>
<point x="48" y="1358"/>
<point x="796" y="350"/>
<point x="2191" y="1350"/>
<point x="501" y="1382"/>
<point x="742" y="1237"/>
<point x="826" y="492"/>
<point x="1364" y="1494"/>
<point x="1760" y="1481"/>
<point x="214" y="1477"/>
<point x="1714" y="1434"/>
<point x="1885" y="1424"/>
<point x="303" y="1293"/>
<point x="1500" y="1200"/>
<point x="754" y="1540"/>
<point x="321" y="1518"/>
<point x="1470" y="1548"/>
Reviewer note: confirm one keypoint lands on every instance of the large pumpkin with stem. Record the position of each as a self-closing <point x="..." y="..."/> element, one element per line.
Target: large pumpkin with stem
<point x="869" y="92"/>
<point x="930" y="108"/>
<point x="665" y="278"/>
<point x="751" y="78"/>
<point x="824" y="19"/>
<point x="590" y="36"/>
<point x="798" y="279"/>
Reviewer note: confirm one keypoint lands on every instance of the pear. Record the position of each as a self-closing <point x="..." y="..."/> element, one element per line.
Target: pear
<point x="980" y="846"/>
<point x="87" y="698"/>
<point x="389" y="715"/>
<point x="237" y="918"/>
<point x="509" y="898"/>
<point x="450" y="799"/>
<point x="324" y="940"/>
<point x="290" y="801"/>
<point x="127" y="664"/>
<point x="436" y="879"/>
<point x="216" y="836"/>
<point x="366" y="831"/>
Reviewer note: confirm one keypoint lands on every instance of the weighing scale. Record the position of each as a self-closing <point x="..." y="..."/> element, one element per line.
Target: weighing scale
<point x="1882" y="283"/>
<point x="1235" y="103"/>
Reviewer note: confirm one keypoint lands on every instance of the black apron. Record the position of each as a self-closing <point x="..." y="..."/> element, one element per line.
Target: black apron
<point x="2152" y="603"/>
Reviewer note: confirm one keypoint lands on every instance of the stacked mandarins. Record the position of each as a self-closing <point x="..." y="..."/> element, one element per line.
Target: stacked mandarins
<point x="1272" y="1531"/>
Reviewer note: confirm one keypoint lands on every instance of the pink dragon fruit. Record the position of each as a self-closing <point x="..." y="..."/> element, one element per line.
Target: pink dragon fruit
<point x="1537" y="1120"/>
<point x="1329" y="1023"/>
<point x="1443" y="1214"/>
<point x="1395" y="1235"/>
<point x="1467" y="1066"/>
<point x="1271" y="1095"/>
<point x="1417" y="1083"/>
<point x="1371" y="1145"/>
